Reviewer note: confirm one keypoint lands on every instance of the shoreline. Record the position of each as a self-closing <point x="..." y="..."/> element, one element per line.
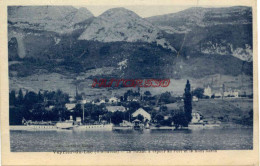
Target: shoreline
<point x="191" y="127"/>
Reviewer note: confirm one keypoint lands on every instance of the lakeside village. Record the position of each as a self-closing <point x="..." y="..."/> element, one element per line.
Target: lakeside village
<point x="134" y="110"/>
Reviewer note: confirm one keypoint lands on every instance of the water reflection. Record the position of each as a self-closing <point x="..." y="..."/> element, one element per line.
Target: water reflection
<point x="131" y="140"/>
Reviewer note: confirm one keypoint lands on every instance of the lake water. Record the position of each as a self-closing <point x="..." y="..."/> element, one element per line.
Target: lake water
<point x="208" y="139"/>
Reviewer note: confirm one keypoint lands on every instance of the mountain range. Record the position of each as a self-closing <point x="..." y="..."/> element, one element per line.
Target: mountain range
<point x="196" y="42"/>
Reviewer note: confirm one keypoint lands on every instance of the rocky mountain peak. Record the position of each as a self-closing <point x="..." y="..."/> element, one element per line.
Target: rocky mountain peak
<point x="60" y="19"/>
<point x="119" y="12"/>
<point x="120" y="24"/>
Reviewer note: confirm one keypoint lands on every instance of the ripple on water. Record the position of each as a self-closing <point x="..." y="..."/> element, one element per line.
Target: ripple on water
<point x="214" y="139"/>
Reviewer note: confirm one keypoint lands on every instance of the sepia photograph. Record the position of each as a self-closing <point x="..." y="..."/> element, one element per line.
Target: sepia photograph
<point x="90" y="79"/>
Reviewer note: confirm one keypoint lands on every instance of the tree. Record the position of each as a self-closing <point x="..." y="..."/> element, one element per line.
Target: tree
<point x="97" y="111"/>
<point x="133" y="106"/>
<point x="159" y="117"/>
<point x="40" y="97"/>
<point x="180" y="119"/>
<point x="97" y="100"/>
<point x="20" y="97"/>
<point x="107" y="116"/>
<point x="165" y="97"/>
<point x="140" y="117"/>
<point x="117" y="117"/>
<point x="121" y="98"/>
<point x="12" y="99"/>
<point x="187" y="102"/>
<point x="147" y="93"/>
<point x="163" y="108"/>
<point x="60" y="97"/>
<point x="78" y="111"/>
<point x="198" y="92"/>
<point x="78" y="97"/>
<point x="15" y="116"/>
<point x="30" y="99"/>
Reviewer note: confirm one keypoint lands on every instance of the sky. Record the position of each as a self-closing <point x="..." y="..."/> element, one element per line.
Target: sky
<point x="142" y="11"/>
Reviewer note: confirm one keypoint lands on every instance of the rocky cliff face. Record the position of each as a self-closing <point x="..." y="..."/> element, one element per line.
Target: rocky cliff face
<point x="222" y="31"/>
<point x="35" y="28"/>
<point x="120" y="24"/>
<point x="244" y="53"/>
<point x="186" y="20"/>
<point x="57" y="19"/>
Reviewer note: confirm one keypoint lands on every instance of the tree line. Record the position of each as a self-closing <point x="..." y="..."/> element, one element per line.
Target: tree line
<point x="50" y="106"/>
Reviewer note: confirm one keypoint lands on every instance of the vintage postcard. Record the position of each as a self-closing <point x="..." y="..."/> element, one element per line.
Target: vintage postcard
<point x="129" y="82"/>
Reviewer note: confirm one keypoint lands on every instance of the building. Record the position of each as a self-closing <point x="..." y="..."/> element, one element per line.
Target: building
<point x="125" y="124"/>
<point x="72" y="99"/>
<point x="116" y="108"/>
<point x="218" y="95"/>
<point x="194" y="98"/>
<point x="133" y="98"/>
<point x="142" y="112"/>
<point x="85" y="101"/>
<point x="113" y="100"/>
<point x="166" y="117"/>
<point x="207" y="91"/>
<point x="196" y="118"/>
<point x="50" y="108"/>
<point x="100" y="102"/>
<point x="235" y="93"/>
<point x="231" y="94"/>
<point x="70" y="106"/>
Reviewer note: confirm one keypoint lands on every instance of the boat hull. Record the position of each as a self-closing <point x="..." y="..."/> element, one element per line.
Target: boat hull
<point x="108" y="127"/>
<point x="122" y="128"/>
<point x="65" y="125"/>
<point x="34" y="128"/>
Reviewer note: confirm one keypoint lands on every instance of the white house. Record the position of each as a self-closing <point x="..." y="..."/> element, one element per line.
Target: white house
<point x="235" y="93"/>
<point x="116" y="108"/>
<point x="195" y="117"/>
<point x="218" y="94"/>
<point x="207" y="91"/>
<point x="133" y="98"/>
<point x="231" y="94"/>
<point x="85" y="101"/>
<point x="100" y="102"/>
<point x="49" y="108"/>
<point x="194" y="98"/>
<point x="142" y="112"/>
<point x="70" y="106"/>
<point x="166" y="117"/>
<point x="78" y="119"/>
<point x="113" y="100"/>
<point x="72" y="99"/>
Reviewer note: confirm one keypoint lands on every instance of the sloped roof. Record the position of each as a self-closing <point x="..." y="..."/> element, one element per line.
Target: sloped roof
<point x="116" y="108"/>
<point x="70" y="106"/>
<point x="141" y="111"/>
